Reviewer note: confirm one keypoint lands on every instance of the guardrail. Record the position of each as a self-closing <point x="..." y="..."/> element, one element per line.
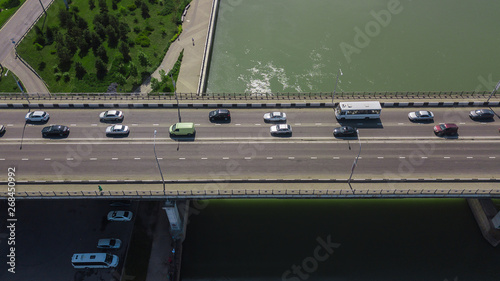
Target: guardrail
<point x="248" y="96"/>
<point x="265" y="193"/>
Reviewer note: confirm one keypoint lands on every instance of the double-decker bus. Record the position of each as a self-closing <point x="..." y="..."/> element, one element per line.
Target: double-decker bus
<point x="358" y="110"/>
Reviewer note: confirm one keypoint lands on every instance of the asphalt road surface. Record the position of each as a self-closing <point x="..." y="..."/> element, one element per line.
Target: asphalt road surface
<point x="392" y="147"/>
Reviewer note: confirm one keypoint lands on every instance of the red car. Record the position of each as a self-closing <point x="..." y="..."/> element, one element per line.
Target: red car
<point x="448" y="129"/>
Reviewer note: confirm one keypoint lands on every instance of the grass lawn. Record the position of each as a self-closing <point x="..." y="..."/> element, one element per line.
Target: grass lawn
<point x="8" y="83"/>
<point x="158" y="29"/>
<point x="5" y="14"/>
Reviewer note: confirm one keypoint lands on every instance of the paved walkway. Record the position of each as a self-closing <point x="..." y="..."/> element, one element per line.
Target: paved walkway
<point x="12" y="32"/>
<point x="192" y="41"/>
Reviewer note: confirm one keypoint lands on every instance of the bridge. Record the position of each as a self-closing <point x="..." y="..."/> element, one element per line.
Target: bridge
<point x="241" y="159"/>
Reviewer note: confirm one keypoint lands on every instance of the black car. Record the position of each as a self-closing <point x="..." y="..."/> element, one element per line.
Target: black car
<point x="55" y="131"/>
<point x="481" y="114"/>
<point x="346" y="131"/>
<point x="219" y="115"/>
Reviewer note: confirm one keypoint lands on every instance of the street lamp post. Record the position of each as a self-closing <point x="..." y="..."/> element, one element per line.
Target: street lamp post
<point x="494" y="91"/>
<point x="157" y="162"/>
<point x="335" y="89"/>
<point x="176" y="98"/>
<point x="355" y="163"/>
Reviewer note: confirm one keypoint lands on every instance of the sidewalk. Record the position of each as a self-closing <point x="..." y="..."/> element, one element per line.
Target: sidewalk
<point x="161" y="250"/>
<point x="192" y="41"/>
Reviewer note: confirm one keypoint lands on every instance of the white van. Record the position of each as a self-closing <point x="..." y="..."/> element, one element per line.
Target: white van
<point x="94" y="260"/>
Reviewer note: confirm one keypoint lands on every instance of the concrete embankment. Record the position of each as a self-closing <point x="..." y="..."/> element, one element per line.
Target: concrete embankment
<point x="484" y="210"/>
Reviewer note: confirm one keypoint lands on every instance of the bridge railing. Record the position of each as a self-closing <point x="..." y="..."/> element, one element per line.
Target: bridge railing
<point x="466" y="95"/>
<point x="266" y="193"/>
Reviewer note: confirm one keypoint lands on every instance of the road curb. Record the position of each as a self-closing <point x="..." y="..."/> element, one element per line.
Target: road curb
<point x="239" y="105"/>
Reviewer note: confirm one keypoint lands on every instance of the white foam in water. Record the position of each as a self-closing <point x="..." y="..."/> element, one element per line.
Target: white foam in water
<point x="258" y="80"/>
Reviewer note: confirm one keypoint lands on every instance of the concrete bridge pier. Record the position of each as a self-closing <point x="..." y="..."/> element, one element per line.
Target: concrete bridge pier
<point x="175" y="220"/>
<point x="496" y="221"/>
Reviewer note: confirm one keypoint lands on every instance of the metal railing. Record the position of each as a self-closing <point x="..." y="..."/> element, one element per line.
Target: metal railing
<point x="248" y="96"/>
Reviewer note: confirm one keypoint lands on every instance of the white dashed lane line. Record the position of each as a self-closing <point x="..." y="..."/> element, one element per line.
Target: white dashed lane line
<point x="47" y="159"/>
<point x="24" y="159"/>
<point x="93" y="159"/>
<point x="114" y="158"/>
<point x="137" y="158"/>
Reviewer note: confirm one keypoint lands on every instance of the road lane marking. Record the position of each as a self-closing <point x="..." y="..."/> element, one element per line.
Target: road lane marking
<point x="492" y="157"/>
<point x="137" y="158"/>
<point x="314" y="157"/>
<point x="248" y="158"/>
<point x="269" y="158"/>
<point x="69" y="159"/>
<point x="225" y="158"/>
<point x="134" y="124"/>
<point x="10" y="125"/>
<point x="291" y="157"/>
<point x="469" y="157"/>
<point x="257" y="124"/>
<point x="25" y="159"/>
<point x="204" y="158"/>
<point x="424" y="157"/>
<point x="156" y="124"/>
<point x="2" y="159"/>
<point x="93" y="125"/>
<point x="401" y="123"/>
<point x="298" y="124"/>
<point x="72" y="125"/>
<point x="47" y="159"/>
<point x="336" y="158"/>
<point x="380" y="157"/>
<point x="160" y="158"/>
<point x="93" y="159"/>
<point x="318" y="124"/>
<point x="114" y="158"/>
<point x="446" y="157"/>
<point x="402" y="157"/>
<point x="237" y="124"/>
<point x="182" y="158"/>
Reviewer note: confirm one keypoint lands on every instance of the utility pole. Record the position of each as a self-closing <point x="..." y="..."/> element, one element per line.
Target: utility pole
<point x="355" y="163"/>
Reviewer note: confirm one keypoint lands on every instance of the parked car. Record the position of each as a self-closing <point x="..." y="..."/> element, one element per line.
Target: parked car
<point x="219" y="115"/>
<point x="481" y="114"/>
<point x="275" y="117"/>
<point x="117" y="130"/>
<point x="111" y="115"/>
<point x="448" y="129"/>
<point x="345" y="131"/>
<point x="37" y="116"/>
<point x="55" y="131"/>
<point x="422" y="115"/>
<point x="120" y="216"/>
<point x="2" y="129"/>
<point x="281" y="129"/>
<point x="109" y="243"/>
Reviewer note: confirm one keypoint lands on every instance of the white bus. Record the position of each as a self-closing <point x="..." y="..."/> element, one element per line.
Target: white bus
<point x="94" y="260"/>
<point x="358" y="110"/>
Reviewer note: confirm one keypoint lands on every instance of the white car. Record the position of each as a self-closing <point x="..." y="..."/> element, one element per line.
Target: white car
<point x="281" y="129"/>
<point x="109" y="243"/>
<point x="117" y="130"/>
<point x="275" y="117"/>
<point x="37" y="116"/>
<point x="111" y="115"/>
<point x="421" y="116"/>
<point x="120" y="216"/>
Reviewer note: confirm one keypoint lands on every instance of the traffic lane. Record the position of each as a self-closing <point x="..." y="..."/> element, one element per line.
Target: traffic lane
<point x="262" y="130"/>
<point x="110" y="150"/>
<point x="265" y="168"/>
<point x="63" y="228"/>
<point x="110" y="162"/>
<point x="168" y="116"/>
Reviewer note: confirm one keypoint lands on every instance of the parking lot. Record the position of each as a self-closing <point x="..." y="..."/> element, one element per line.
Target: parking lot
<point x="49" y="232"/>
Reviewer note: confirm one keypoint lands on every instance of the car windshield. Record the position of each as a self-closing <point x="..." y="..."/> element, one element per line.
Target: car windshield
<point x="442" y="126"/>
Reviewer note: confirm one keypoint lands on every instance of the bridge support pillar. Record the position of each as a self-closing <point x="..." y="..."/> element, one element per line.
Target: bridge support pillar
<point x="174" y="218"/>
<point x="496" y="221"/>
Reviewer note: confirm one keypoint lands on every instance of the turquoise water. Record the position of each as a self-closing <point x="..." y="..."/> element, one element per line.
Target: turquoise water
<point x="376" y="240"/>
<point x="264" y="46"/>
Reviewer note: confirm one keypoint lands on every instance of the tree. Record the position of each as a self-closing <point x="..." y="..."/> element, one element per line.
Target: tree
<point x="145" y="10"/>
<point x="124" y="50"/>
<point x="143" y="59"/>
<point x="124" y="30"/>
<point x="65" y="18"/>
<point x="102" y="54"/>
<point x="133" y="69"/>
<point x="101" y="68"/>
<point x="99" y="29"/>
<point x="96" y="40"/>
<point x="103" y="6"/>
<point x="91" y="4"/>
<point x="64" y="56"/>
<point x="80" y="71"/>
<point x="112" y="36"/>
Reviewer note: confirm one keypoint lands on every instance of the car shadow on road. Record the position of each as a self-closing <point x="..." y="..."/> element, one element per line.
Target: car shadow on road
<point x="365" y="124"/>
<point x="183" y="138"/>
<point x="117" y="136"/>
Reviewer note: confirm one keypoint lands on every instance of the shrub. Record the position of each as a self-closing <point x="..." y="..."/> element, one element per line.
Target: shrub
<point x="38" y="46"/>
<point x="66" y="76"/>
<point x="58" y="76"/>
<point x="143" y="40"/>
<point x="131" y="7"/>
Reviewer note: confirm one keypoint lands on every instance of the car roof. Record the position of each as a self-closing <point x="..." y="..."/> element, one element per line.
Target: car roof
<point x="450" y="125"/>
<point x="38" y="113"/>
<point x="119" y="127"/>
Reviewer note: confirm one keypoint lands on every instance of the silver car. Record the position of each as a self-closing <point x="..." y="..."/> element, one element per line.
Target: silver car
<point x="111" y="115"/>
<point x="37" y="116"/>
<point x="117" y="130"/>
<point x="281" y="129"/>
<point x="109" y="243"/>
<point x="275" y="117"/>
<point x="120" y="216"/>
<point x="422" y="115"/>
